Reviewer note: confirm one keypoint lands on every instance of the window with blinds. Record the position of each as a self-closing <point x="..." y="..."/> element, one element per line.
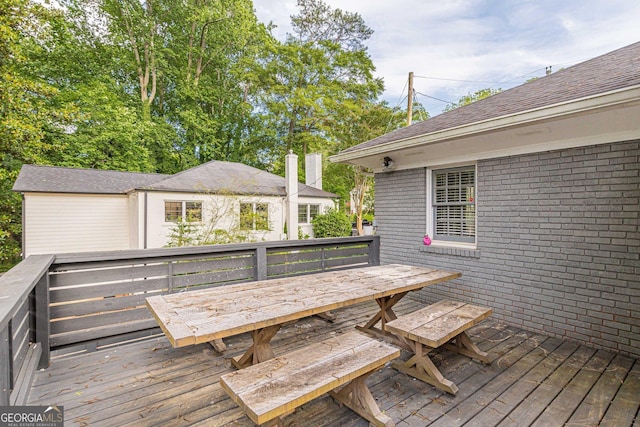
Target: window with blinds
<point x="454" y="204"/>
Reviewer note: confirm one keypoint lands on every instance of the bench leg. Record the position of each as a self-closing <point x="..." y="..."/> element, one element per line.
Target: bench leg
<point x="260" y="350"/>
<point x="421" y="367"/>
<point x="465" y="346"/>
<point x="357" y="397"/>
<point x="218" y="345"/>
<point x="328" y="316"/>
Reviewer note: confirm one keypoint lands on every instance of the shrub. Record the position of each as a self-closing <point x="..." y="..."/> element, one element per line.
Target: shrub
<point x="332" y="223"/>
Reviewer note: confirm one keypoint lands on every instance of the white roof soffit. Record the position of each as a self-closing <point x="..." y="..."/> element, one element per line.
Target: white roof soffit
<point x="629" y="96"/>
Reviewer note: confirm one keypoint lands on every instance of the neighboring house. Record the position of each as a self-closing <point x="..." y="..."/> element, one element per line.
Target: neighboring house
<point x="533" y="194"/>
<point x="78" y="210"/>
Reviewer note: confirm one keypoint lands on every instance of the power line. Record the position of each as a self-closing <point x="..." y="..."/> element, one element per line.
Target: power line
<point x="433" y="97"/>
<point x="462" y="81"/>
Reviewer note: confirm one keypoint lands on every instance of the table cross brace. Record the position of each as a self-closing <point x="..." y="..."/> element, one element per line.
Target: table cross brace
<point x="385" y="314"/>
<point x="260" y="350"/>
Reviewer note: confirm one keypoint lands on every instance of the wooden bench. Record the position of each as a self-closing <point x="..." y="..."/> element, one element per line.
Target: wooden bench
<point x="270" y="390"/>
<point x="441" y="324"/>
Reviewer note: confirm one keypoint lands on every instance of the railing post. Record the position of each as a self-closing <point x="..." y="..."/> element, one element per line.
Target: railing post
<point x="170" y="276"/>
<point x="260" y="263"/>
<point x="5" y="366"/>
<point x="374" y="251"/>
<point x="43" y="325"/>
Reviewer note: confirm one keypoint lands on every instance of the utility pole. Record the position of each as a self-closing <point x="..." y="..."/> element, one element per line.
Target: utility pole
<point x="410" y="99"/>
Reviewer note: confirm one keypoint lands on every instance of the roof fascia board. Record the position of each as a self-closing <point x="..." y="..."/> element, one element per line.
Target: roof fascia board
<point x="529" y="149"/>
<point x="602" y="100"/>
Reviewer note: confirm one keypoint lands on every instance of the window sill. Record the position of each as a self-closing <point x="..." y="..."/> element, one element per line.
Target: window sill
<point x="468" y="252"/>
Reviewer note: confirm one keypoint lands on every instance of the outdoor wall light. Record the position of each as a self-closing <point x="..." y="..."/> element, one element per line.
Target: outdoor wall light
<point x="387" y="164"/>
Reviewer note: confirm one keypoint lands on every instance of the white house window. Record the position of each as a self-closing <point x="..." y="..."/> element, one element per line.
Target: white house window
<point x="182" y="211"/>
<point x="454" y="204"/>
<point x="254" y="216"/>
<point x="306" y="213"/>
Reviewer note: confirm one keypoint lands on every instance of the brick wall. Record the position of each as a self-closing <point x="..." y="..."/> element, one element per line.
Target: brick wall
<point x="558" y="242"/>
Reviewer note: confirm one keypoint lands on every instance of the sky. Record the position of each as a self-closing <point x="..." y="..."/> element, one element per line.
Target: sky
<point x="456" y="47"/>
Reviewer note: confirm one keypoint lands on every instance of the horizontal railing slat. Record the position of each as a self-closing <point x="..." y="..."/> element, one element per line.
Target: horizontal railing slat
<point x="108" y="290"/>
<point x="88" y="307"/>
<point x="83" y="335"/>
<point x="220" y="277"/>
<point x="105" y="275"/>
<point x="99" y="320"/>
<point x="213" y="264"/>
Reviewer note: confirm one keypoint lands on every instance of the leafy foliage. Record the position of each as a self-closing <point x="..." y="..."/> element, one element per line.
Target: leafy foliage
<point x="332" y="223"/>
<point x="469" y="98"/>
<point x="164" y="85"/>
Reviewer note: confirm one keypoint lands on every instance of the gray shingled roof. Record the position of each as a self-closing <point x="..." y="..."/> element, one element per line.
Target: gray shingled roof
<point x="52" y="179"/>
<point x="231" y="178"/>
<point x="213" y="177"/>
<point x="612" y="71"/>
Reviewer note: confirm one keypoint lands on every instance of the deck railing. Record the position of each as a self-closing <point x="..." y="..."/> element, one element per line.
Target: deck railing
<point x="86" y="301"/>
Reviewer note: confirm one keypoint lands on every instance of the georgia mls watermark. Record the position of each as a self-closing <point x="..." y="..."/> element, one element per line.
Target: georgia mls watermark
<point x="31" y="416"/>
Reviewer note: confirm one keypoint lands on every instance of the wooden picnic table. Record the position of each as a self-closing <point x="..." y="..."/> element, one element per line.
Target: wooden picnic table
<point x="262" y="307"/>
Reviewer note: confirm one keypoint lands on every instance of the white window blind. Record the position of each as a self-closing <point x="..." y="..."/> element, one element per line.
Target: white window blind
<point x="454" y="204"/>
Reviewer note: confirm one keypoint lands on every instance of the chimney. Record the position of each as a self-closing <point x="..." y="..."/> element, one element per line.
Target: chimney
<point x="313" y="170"/>
<point x="291" y="187"/>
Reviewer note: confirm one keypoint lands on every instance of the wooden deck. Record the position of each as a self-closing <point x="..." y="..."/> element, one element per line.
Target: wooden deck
<point x="533" y="380"/>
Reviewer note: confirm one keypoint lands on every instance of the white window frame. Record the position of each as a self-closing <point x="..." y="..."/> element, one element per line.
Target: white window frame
<point x="430" y="220"/>
<point x="254" y="213"/>
<point x="308" y="218"/>
<point x="183" y="210"/>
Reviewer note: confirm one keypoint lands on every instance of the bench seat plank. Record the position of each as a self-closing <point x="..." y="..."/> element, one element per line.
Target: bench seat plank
<point x="276" y="387"/>
<point x="441" y="324"/>
<point x="436" y="326"/>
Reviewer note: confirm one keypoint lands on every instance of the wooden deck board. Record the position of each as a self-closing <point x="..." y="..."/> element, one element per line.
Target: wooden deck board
<point x="531" y="379"/>
<point x="574" y="393"/>
<point x="625" y="405"/>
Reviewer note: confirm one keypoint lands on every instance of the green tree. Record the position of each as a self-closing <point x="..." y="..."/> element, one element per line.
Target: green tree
<point x="26" y="117"/>
<point x="367" y="122"/>
<point x="315" y="79"/>
<point x="472" y="97"/>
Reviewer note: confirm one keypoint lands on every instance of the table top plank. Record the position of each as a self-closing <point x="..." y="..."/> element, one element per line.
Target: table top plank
<point x="204" y="315"/>
<point x="174" y="328"/>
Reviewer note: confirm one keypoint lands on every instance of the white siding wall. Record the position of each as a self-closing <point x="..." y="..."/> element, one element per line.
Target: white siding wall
<point x="325" y="204"/>
<point x="58" y="223"/>
<point x="223" y="211"/>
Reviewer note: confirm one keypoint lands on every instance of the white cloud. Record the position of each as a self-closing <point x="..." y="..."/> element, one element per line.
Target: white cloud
<point x="485" y="41"/>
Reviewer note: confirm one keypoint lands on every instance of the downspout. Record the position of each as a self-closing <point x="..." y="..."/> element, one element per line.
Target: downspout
<point x="24" y="230"/>
<point x="291" y="187"/>
<point x="144" y="231"/>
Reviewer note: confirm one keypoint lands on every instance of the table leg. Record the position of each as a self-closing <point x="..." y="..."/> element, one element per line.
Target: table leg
<point x="384" y="315"/>
<point x="260" y="350"/>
